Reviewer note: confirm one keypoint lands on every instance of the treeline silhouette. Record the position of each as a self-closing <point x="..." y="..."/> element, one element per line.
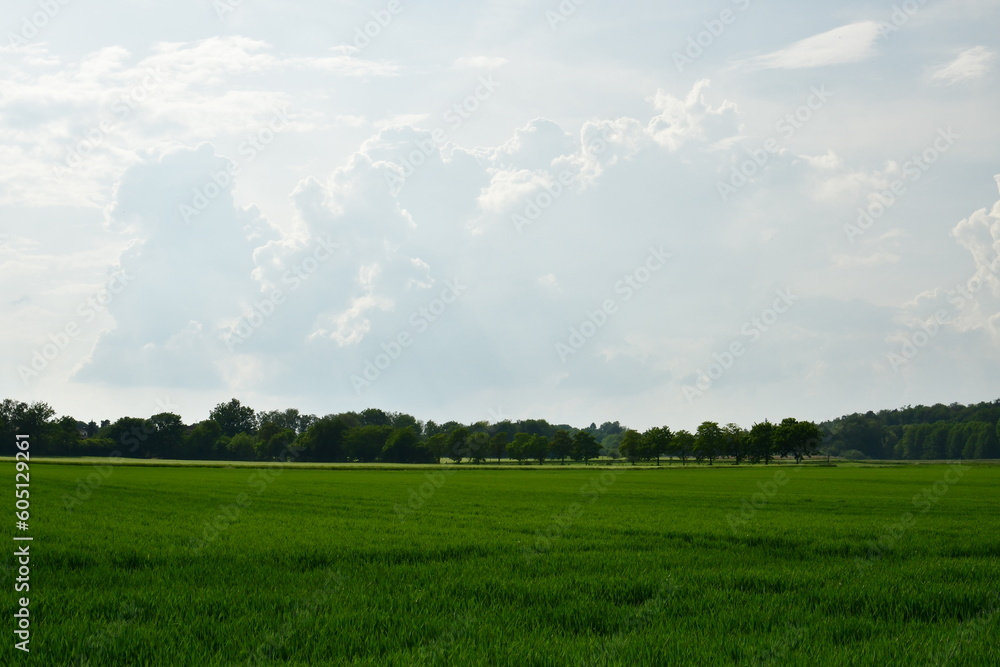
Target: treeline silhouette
<point x="234" y="431"/>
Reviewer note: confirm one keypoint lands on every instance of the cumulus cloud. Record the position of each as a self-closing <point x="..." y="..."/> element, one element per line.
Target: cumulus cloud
<point x="185" y="277"/>
<point x="445" y="269"/>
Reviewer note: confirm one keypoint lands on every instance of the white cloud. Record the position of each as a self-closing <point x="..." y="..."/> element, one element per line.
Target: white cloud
<point x="973" y="63"/>
<point x="480" y="62"/>
<point x="850" y="43"/>
<point x="617" y="152"/>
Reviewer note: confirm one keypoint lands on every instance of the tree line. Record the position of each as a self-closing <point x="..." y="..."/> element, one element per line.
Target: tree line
<point x="918" y="432"/>
<point x="234" y="431"/>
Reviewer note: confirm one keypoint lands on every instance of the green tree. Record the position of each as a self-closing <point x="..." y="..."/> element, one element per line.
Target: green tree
<point x="631" y="446"/>
<point x="166" y="437"/>
<point x="19" y="418"/>
<point x="200" y="442"/>
<point x="936" y="444"/>
<point x="987" y="445"/>
<point x="240" y="447"/>
<point x="519" y="446"/>
<point x="277" y="446"/>
<point x="364" y="443"/>
<point x="404" y="446"/>
<point x="709" y="441"/>
<point x="375" y="417"/>
<point x="561" y="445"/>
<point x="683" y="445"/>
<point x="760" y="442"/>
<point x="658" y="441"/>
<point x="458" y="445"/>
<point x="800" y="439"/>
<point x="324" y="439"/>
<point x="234" y="418"/>
<point x="538" y="448"/>
<point x="611" y="445"/>
<point x="479" y="446"/>
<point x="437" y="444"/>
<point x="290" y="418"/>
<point x="63" y="437"/>
<point x="736" y="443"/>
<point x="585" y="447"/>
<point x="498" y="444"/>
<point x="956" y="441"/>
<point x="130" y="434"/>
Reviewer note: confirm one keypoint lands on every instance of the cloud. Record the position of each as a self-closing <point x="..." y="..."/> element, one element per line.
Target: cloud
<point x="876" y="259"/>
<point x="71" y="128"/>
<point x="480" y="62"/>
<point x="973" y="63"/>
<point x="691" y="118"/>
<point x="851" y="43"/>
<point x="170" y="321"/>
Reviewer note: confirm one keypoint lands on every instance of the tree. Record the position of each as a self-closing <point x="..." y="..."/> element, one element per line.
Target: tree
<point x="535" y="427"/>
<point x="364" y="443"/>
<point x="240" y="447"/>
<point x="498" y="444"/>
<point x="800" y="439"/>
<point x="709" y="441"/>
<point x="606" y="429"/>
<point x="631" y="446"/>
<point x="657" y="442"/>
<point x="402" y="420"/>
<point x="519" y="446"/>
<point x="200" y="442"/>
<point x="611" y="445"/>
<point x="234" y="418"/>
<point x="937" y="442"/>
<point x="276" y="447"/>
<point x="375" y="417"/>
<point x="166" y="437"/>
<point x="561" y="445"/>
<point x="323" y="440"/>
<point x="19" y="418"/>
<point x="479" y="444"/>
<point x="458" y="447"/>
<point x="265" y="431"/>
<point x="585" y="447"/>
<point x="130" y="435"/>
<point x="956" y="441"/>
<point x="538" y="448"/>
<point x="290" y="418"/>
<point x="987" y="445"/>
<point x="404" y="446"/>
<point x="683" y="445"/>
<point x="760" y="442"/>
<point x="63" y="437"/>
<point x="735" y="442"/>
<point x="437" y="444"/>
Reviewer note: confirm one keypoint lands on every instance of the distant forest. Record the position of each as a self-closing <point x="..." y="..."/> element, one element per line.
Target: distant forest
<point x="918" y="432"/>
<point x="237" y="432"/>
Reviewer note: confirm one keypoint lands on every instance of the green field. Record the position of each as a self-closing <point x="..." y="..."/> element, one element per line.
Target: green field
<point x="544" y="566"/>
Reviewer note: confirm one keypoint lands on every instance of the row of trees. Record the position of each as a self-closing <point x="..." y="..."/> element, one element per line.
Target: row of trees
<point x="760" y="444"/>
<point x="234" y="431"/>
<point x="936" y="432"/>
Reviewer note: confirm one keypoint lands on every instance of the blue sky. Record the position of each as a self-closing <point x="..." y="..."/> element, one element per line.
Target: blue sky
<point x="658" y="213"/>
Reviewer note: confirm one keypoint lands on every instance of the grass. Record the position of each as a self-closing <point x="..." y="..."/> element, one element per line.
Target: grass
<point x="511" y="567"/>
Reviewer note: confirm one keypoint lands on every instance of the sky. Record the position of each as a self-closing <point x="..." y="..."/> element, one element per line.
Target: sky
<point x="657" y="213"/>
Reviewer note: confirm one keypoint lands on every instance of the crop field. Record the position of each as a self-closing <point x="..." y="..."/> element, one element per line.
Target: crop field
<point x="552" y="565"/>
